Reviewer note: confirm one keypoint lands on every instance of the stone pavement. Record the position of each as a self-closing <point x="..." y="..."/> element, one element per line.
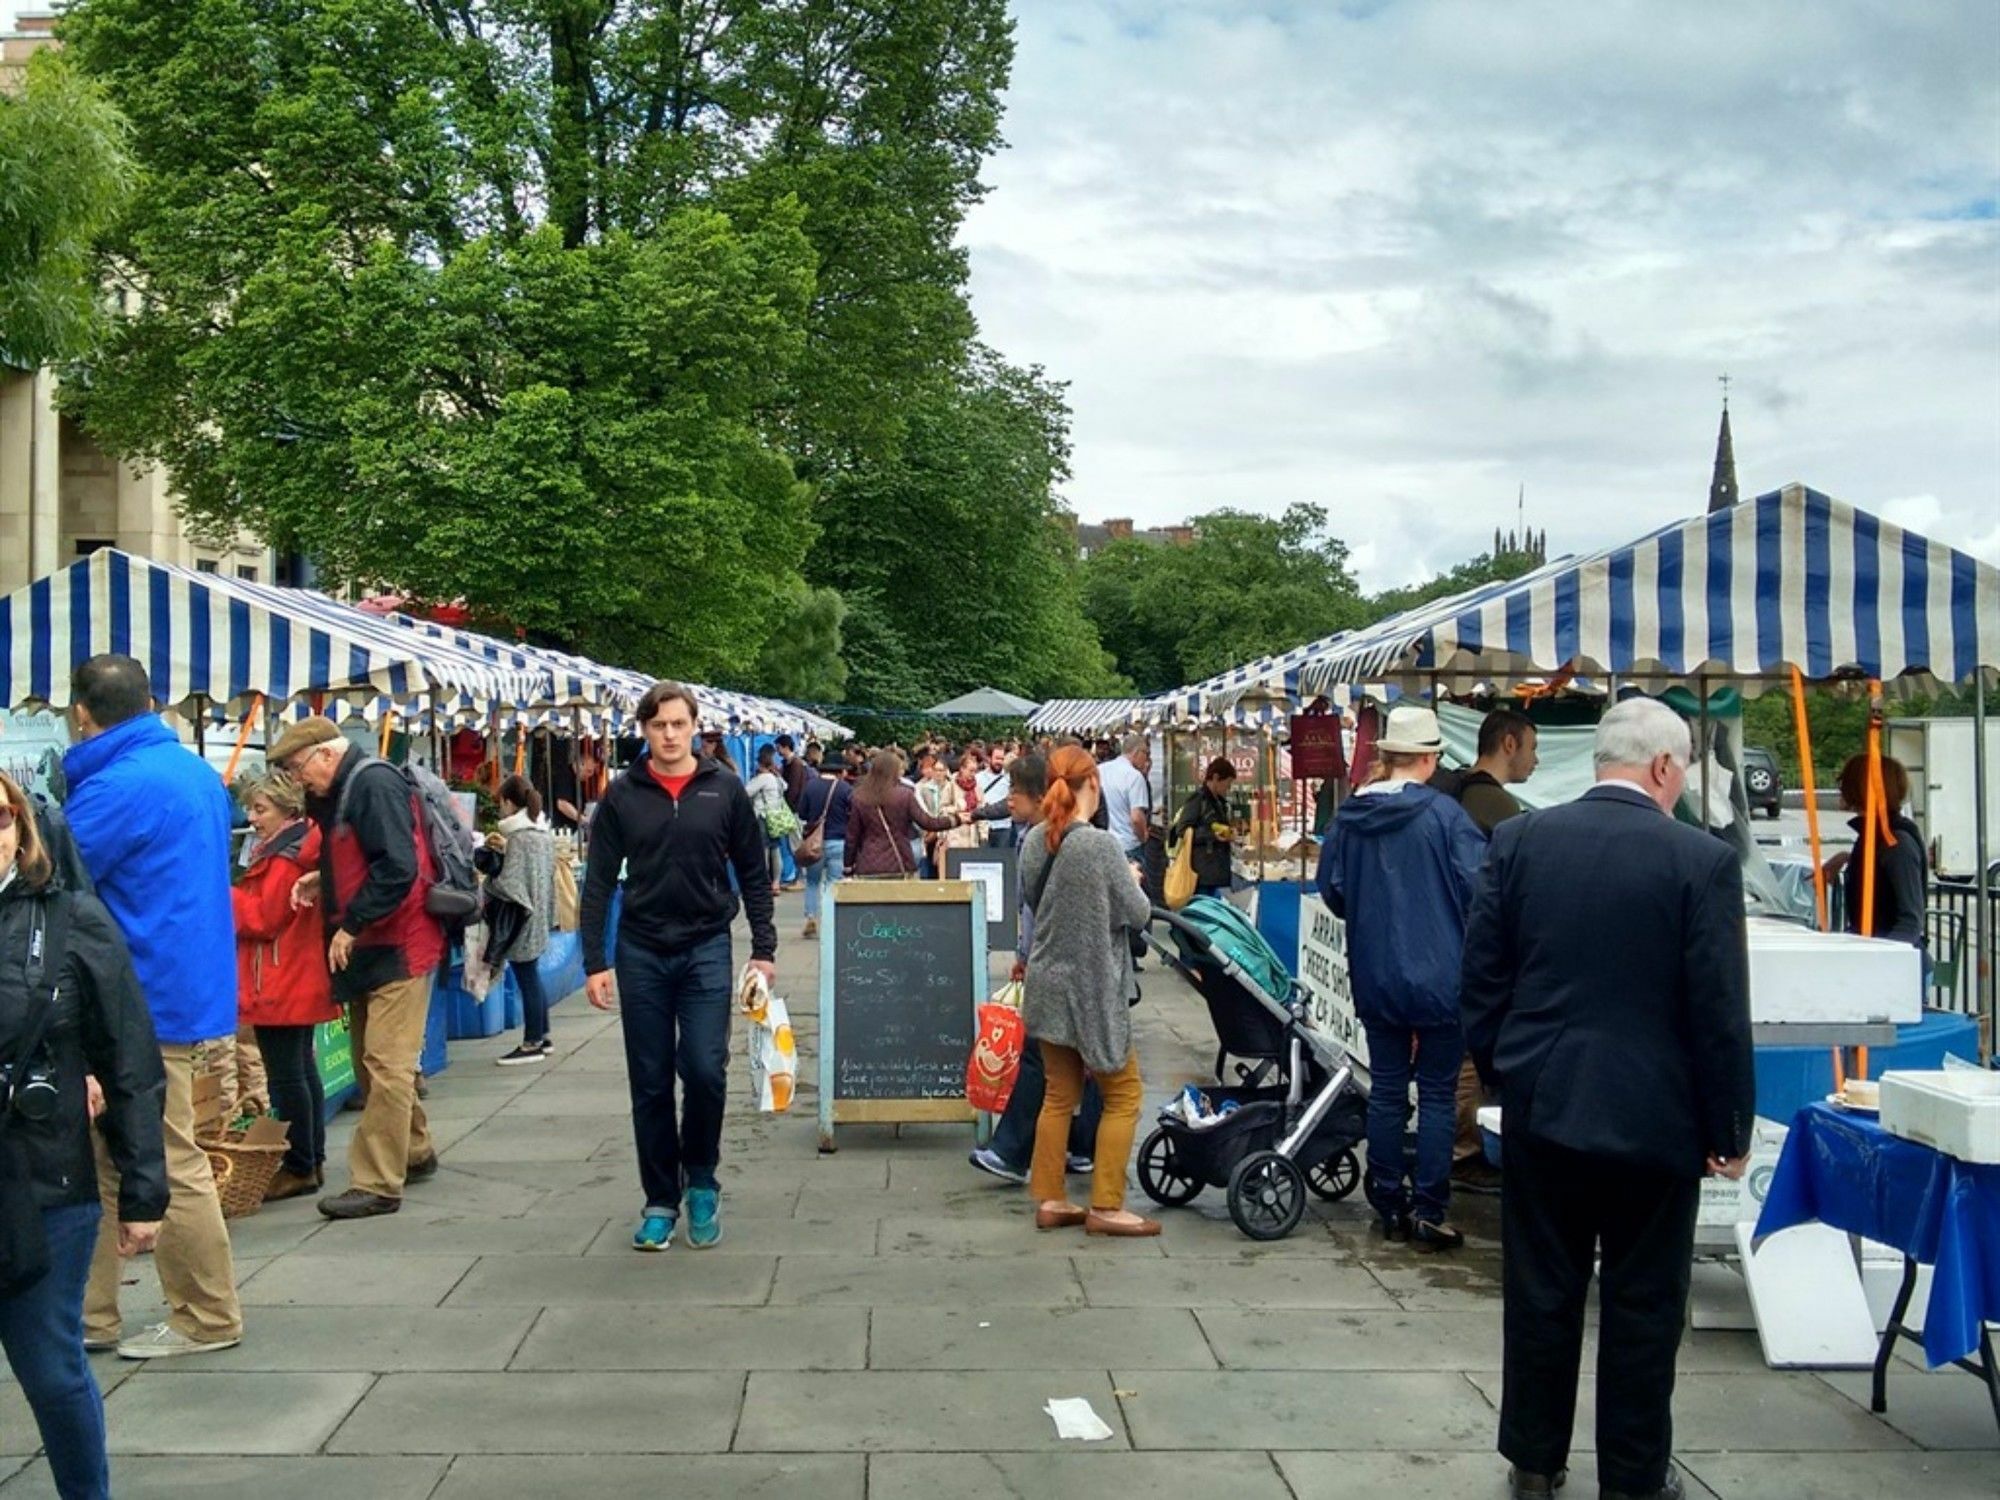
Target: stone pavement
<point x="886" y="1322"/>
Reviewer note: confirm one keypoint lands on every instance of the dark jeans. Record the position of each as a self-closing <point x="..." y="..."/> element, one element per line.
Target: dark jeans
<point x="297" y="1095"/>
<point x="42" y="1332"/>
<point x="1438" y="1052"/>
<point x="1557" y="1208"/>
<point x="676" y="1014"/>
<point x="1014" y="1133"/>
<point x="534" y="1000"/>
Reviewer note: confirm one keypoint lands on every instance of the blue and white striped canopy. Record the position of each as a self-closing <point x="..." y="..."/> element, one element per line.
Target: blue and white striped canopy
<point x="1791" y="578"/>
<point x="575" y="681"/>
<point x="1082" y="716"/>
<point x="201" y="635"/>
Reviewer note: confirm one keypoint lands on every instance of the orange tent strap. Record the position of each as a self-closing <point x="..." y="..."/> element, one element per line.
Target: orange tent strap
<point x="243" y="738"/>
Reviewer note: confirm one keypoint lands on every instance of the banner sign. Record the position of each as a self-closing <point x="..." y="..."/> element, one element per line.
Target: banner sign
<point x="1323" y="976"/>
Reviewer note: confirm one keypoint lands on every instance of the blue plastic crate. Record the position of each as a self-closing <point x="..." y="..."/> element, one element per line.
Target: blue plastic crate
<point x="467" y="1018"/>
<point x="561" y="966"/>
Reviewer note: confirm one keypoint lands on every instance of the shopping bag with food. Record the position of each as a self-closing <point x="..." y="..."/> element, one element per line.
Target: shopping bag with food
<point x="996" y="1051"/>
<point x="774" y="1053"/>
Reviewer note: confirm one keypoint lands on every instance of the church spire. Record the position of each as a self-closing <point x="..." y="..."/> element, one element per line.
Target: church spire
<point x="1722" y="486"/>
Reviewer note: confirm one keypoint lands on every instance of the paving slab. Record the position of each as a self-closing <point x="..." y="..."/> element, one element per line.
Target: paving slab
<point x="1202" y="1283"/>
<point x="1847" y="1476"/>
<point x="1776" y="1411"/>
<point x="544" y="1412"/>
<point x="1009" y="1230"/>
<point x="875" y="1281"/>
<point x="1473" y="1476"/>
<point x="356" y="1276"/>
<point x="275" y="1229"/>
<point x="1307" y="1339"/>
<point x="745" y="1234"/>
<point x="678" y="1276"/>
<point x="649" y="1337"/>
<point x="1945" y="1408"/>
<point x="1010" y="1476"/>
<point x="1394" y="1411"/>
<point x="887" y="1411"/>
<point x="191" y="1411"/>
<point x="367" y="1340"/>
<point x="1035" y="1338"/>
<point x="682" y="1476"/>
<point x="238" y="1478"/>
<point x="443" y="1231"/>
<point x="501" y="1141"/>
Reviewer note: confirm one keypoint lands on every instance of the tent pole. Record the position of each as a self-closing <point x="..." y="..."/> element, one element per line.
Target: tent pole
<point x="201" y="725"/>
<point x="1701" y="749"/>
<point x="1982" y="898"/>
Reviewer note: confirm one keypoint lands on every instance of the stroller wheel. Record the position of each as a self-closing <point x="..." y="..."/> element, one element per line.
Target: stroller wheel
<point x="1267" y="1195"/>
<point x="1161" y="1174"/>
<point x="1336" y="1177"/>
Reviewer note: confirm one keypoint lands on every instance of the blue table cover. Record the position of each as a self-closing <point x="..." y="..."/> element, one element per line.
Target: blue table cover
<point x="1848" y="1172"/>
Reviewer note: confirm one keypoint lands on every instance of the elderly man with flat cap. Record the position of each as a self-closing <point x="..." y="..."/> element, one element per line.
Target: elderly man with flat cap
<point x="382" y="946"/>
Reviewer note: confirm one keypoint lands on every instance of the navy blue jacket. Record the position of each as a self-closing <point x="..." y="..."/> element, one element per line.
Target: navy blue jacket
<point x="1400" y="868"/>
<point x="1607" y="984"/>
<point x="151" y="820"/>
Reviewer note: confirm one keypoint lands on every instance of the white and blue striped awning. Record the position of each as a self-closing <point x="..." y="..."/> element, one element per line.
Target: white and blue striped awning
<point x="1792" y="578"/>
<point x="1081" y="716"/>
<point x="575" y="681"/>
<point x="201" y="635"/>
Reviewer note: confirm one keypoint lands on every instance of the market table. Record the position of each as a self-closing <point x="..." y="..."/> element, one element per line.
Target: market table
<point x="1848" y="1172"/>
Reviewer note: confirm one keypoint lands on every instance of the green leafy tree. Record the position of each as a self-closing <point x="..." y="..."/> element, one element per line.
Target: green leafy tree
<point x="65" y="174"/>
<point x="1247" y="585"/>
<point x="802" y="658"/>
<point x="1488" y="567"/>
<point x="957" y="545"/>
<point x="558" y="306"/>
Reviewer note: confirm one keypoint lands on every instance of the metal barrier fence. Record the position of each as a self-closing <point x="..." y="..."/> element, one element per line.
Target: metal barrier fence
<point x="1949" y="931"/>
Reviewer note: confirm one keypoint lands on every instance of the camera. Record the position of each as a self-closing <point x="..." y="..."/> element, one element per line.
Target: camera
<point x="30" y="1091"/>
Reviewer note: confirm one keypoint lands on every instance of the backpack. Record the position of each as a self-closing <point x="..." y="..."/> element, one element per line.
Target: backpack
<point x="453" y="896"/>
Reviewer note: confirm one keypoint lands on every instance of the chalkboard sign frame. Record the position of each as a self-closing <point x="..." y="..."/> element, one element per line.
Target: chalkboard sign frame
<point x="1003" y="927"/>
<point x="970" y="897"/>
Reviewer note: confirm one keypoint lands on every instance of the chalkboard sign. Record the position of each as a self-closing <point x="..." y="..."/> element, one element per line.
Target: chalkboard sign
<point x="902" y="964"/>
<point x="997" y="868"/>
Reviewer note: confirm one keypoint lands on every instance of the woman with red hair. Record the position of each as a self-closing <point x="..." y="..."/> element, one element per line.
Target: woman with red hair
<point x="1078" y="996"/>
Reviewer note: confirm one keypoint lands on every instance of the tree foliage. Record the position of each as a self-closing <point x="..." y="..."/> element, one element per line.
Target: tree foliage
<point x="954" y="555"/>
<point x="558" y="306"/>
<point x="1246" y="586"/>
<point x="1488" y="567"/>
<point x="65" y="173"/>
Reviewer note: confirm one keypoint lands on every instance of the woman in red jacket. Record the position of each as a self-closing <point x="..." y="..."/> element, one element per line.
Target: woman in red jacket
<point x="282" y="984"/>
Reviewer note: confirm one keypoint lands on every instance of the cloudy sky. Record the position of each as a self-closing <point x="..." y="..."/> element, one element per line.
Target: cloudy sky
<point x="1401" y="257"/>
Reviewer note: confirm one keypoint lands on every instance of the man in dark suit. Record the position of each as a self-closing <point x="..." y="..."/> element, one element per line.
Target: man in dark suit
<point x="1606" y="994"/>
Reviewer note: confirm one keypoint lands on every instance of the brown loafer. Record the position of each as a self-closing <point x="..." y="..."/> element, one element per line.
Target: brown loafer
<point x="1138" y="1229"/>
<point x="287" y="1185"/>
<point x="1066" y="1217"/>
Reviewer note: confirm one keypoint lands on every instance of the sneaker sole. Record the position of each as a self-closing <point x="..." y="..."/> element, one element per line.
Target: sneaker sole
<point x="201" y="1348"/>
<point x="517" y="1062"/>
<point x="1007" y="1177"/>
<point x="695" y="1244"/>
<point x="653" y="1249"/>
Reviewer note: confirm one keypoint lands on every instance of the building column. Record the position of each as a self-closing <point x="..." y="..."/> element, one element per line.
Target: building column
<point x="44" y="480"/>
<point x="17" y="393"/>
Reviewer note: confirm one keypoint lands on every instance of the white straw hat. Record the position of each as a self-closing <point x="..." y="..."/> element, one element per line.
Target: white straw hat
<point x="1411" y="731"/>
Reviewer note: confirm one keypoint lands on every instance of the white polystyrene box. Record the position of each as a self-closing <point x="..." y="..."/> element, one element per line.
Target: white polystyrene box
<point x="1957" y="1112"/>
<point x="1798" y="976"/>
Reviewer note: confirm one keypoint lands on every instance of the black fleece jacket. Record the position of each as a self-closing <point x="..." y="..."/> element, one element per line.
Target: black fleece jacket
<point x="676" y="856"/>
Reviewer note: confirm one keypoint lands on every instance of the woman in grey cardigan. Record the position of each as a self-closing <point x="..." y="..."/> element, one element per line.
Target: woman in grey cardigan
<point x="527" y="877"/>
<point x="1079" y="993"/>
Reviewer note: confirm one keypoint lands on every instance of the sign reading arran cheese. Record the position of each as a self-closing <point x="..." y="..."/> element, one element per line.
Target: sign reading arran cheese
<point x="1323" y="976"/>
<point x="902" y="971"/>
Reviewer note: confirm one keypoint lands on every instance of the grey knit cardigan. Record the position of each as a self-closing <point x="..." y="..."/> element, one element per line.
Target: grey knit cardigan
<point x="528" y="876"/>
<point x="1080" y="983"/>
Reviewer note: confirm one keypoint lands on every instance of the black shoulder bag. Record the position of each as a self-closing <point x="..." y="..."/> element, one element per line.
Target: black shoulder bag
<point x="24" y="1245"/>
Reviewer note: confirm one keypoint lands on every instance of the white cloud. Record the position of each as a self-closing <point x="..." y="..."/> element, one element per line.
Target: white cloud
<point x="1400" y="258"/>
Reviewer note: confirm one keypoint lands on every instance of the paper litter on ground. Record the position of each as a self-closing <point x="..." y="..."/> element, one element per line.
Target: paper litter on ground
<point x="1075" y="1418"/>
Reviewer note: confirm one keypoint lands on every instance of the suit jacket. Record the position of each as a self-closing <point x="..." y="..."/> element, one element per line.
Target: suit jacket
<point x="1606" y="984"/>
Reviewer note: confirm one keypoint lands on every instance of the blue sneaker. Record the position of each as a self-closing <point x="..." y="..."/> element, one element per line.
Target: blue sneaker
<point x="655" y="1231"/>
<point x="704" y="1217"/>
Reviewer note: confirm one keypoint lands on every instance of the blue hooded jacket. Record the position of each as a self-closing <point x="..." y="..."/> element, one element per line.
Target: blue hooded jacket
<point x="152" y="823"/>
<point x="1400" y="868"/>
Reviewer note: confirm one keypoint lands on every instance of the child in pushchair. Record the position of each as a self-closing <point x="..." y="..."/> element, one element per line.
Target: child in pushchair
<point x="1296" y="1110"/>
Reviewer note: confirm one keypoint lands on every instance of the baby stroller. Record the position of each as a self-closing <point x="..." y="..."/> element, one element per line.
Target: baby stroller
<point x="1296" y="1110"/>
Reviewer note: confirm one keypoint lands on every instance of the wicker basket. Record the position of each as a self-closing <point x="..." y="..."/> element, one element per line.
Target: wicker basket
<point x="242" y="1172"/>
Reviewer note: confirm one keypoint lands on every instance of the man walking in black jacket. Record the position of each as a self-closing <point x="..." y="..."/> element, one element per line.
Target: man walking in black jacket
<point x="1606" y="992"/>
<point x="677" y="822"/>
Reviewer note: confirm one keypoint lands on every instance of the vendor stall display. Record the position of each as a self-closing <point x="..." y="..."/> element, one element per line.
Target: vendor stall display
<point x="1841" y="1168"/>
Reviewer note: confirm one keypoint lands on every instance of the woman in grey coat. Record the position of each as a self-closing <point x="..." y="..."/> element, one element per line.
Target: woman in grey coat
<point x="527" y="878"/>
<point x="1079" y="991"/>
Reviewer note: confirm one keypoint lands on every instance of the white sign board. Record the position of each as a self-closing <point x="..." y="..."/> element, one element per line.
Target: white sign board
<point x="1323" y="976"/>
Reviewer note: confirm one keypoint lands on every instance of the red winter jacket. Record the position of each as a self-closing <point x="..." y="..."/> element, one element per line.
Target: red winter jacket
<point x="281" y="975"/>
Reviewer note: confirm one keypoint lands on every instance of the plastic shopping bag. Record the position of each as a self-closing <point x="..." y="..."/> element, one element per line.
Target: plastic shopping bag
<point x="1180" y="884"/>
<point x="996" y="1052"/>
<point x="774" y="1053"/>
